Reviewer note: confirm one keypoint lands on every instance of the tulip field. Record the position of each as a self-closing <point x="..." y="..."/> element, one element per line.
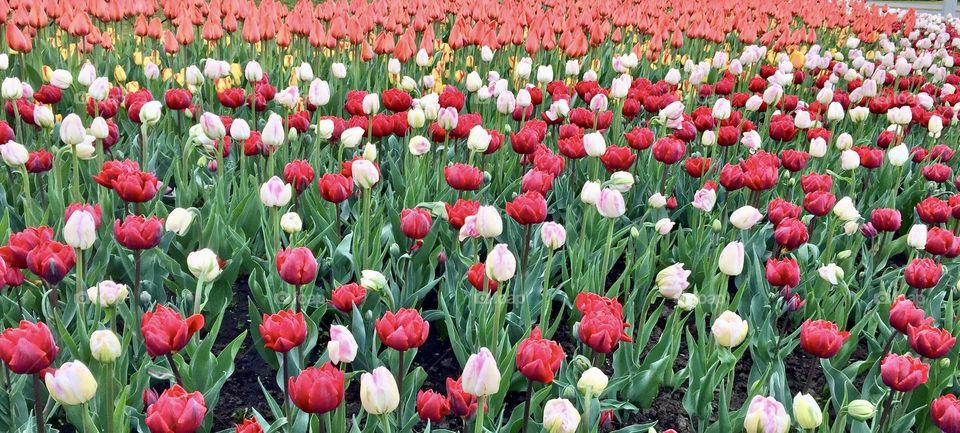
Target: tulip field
<point x="495" y="216"/>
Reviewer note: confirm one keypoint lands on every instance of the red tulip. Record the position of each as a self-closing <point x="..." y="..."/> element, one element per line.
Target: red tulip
<point x="113" y="169"/>
<point x="178" y="99"/>
<point x="639" y="138"/>
<point x="697" y="166"/>
<point x="669" y="150"/>
<point x="819" y="203"/>
<point x="462" y="405"/>
<point x="779" y="209"/>
<point x="939" y="241"/>
<point x="463" y="177"/>
<point x="731" y="177"/>
<point x="452" y="97"/>
<point x="283" y="331"/>
<point x="135" y="187"/>
<point x="299" y="174"/>
<point x="903" y="372"/>
<point x="402" y="330"/>
<point x="249" y="425"/>
<point x="176" y="411"/>
<point x="335" y="187"/>
<point x="28" y="348"/>
<point x="232" y="98"/>
<point x="528" y="208"/>
<point x="459" y="211"/>
<point x="47" y="94"/>
<point x="929" y="341"/>
<point x="945" y="412"/>
<point x="601" y="332"/>
<point x="816" y="182"/>
<point x="936" y="172"/>
<point x="20" y="244"/>
<point x="51" y="261"/>
<point x="537" y="181"/>
<point x="165" y="331"/>
<point x="933" y="210"/>
<point x="538" y="359"/>
<point x="396" y="100"/>
<point x="297" y="266"/>
<point x="415" y="223"/>
<point x="783" y="272"/>
<point x="317" y="390"/>
<point x="345" y="297"/>
<point x="432" y="406"/>
<point x="791" y="233"/>
<point x="885" y="220"/>
<point x="618" y="158"/>
<point x="137" y="232"/>
<point x="822" y="338"/>
<point x="477" y="276"/>
<point x="923" y="273"/>
<point x="794" y="160"/>
<point x="40" y="161"/>
<point x="904" y="315"/>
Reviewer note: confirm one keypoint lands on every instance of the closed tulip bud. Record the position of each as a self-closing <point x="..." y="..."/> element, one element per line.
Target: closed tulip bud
<point x="365" y="174"/>
<point x="61" y="79"/>
<point x="80" y="230"/>
<point x="273" y="134"/>
<point x="590" y="192"/>
<point x="523" y="68"/>
<point x="370" y="152"/>
<point x="721" y="109"/>
<point x="861" y="410"/>
<point x="844" y="142"/>
<point x="657" y="201"/>
<point x="150" y="113"/>
<point x="481" y="377"/>
<point x="319" y="93"/>
<point x="107" y="293"/>
<point x="621" y="181"/>
<point x="150" y="70"/>
<point x="620" y="86"/>
<point x="372" y="280"/>
<point x="544" y="74"/>
<point x="204" y="265"/>
<point x="849" y="160"/>
<point x="506" y="103"/>
<point x="416" y="118"/>
<point x="474" y="82"/>
<point x="105" y="346"/>
<point x="553" y="235"/>
<point x="663" y="226"/>
<point x="610" y="203"/>
<point x="745" y="217"/>
<point x="672" y="281"/>
<point x="72" y="384"/>
<point x="524" y="99"/>
<point x="501" y="265"/>
<point x="818" y="147"/>
<point x="371" y="103"/>
<point x="304" y="72"/>
<point x="559" y="416"/>
<point x="479" y="139"/>
<point x="178" y="221"/>
<point x="291" y="223"/>
<point x="351" y="137"/>
<point x="87" y="74"/>
<point x="275" y="193"/>
<point x="253" y="72"/>
<point x="859" y="114"/>
<point x="14" y="154"/>
<point x="594" y="144"/>
<point x="729" y="330"/>
<point x="571" y="68"/>
<point x="731" y="259"/>
<point x="422" y="58"/>
<point x="917" y="236"/>
<point x="43" y="117"/>
<point x="935" y="126"/>
<point x="338" y="70"/>
<point x="807" y="411"/>
<point x="486" y="54"/>
<point x="342" y="346"/>
<point x="378" y="392"/>
<point x="898" y="155"/>
<point x="488" y="221"/>
<point x="688" y="301"/>
<point x="194" y="76"/>
<point x="592" y="382"/>
<point x="831" y="273"/>
<point x="846" y="210"/>
<point x="766" y="415"/>
<point x="672" y="77"/>
<point x="72" y="131"/>
<point x="99" y="128"/>
<point x="11" y="88"/>
<point x="835" y="112"/>
<point x="212" y="126"/>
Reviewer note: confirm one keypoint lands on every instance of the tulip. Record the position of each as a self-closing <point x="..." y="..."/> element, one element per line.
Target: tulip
<point x="590" y="192"/>
<point x="923" y="273"/>
<point x="488" y="221"/>
<point x="729" y="330"/>
<point x="275" y="193"/>
<point x="204" y="265"/>
<point x="80" y="230"/>
<point x="176" y="411"/>
<point x="378" y="392"/>
<point x="165" y="331"/>
<point x="402" y="330"/>
<point x="342" y="346"/>
<point x="72" y="131"/>
<point x="296" y="266"/>
<point x="11" y="88"/>
<point x="137" y="232"/>
<point x="372" y="280"/>
<point x="538" y="359"/>
<point x="745" y="217"/>
<point x="945" y="412"/>
<point x="365" y="174"/>
<point x="501" y="265"/>
<point x="559" y="416"/>
<point x="929" y="341"/>
<point x="105" y="346"/>
<point x="51" y="261"/>
<point x="107" y="293"/>
<point x="283" y="331"/>
<point x="903" y="372"/>
<point x="291" y="223"/>
<point x="610" y="203"/>
<point x="592" y="382"/>
<point x="72" y="384"/>
<point x="553" y="235"/>
<point x="821" y="338"/>
<point x="861" y="410"/>
<point x="345" y="297"/>
<point x="731" y="259"/>
<point x="766" y="415"/>
<point x="178" y="221"/>
<point x="672" y="280"/>
<point x="481" y="377"/>
<point x="14" y="154"/>
<point x="249" y="425"/>
<point x="273" y="132"/>
<point x="28" y="348"/>
<point x="594" y="144"/>
<point x="213" y="126"/>
<point x="831" y="273"/>
<point x="432" y="406"/>
<point x="150" y="112"/>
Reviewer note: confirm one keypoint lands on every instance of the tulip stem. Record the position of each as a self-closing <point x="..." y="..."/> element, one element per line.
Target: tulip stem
<point x="37" y="406"/>
<point x="135" y="302"/>
<point x="9" y="386"/>
<point x="286" y="378"/>
<point x="887" y="407"/>
<point x="27" y="198"/>
<point x="297" y="298"/>
<point x="400" y="370"/>
<point x="526" y="406"/>
<point x="173" y="368"/>
<point x="606" y="254"/>
<point x="197" y="296"/>
<point x="481" y="404"/>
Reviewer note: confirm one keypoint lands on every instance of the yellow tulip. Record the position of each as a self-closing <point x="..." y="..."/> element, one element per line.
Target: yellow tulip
<point x="119" y="74"/>
<point x="167" y="73"/>
<point x="797" y="59"/>
<point x="137" y="58"/>
<point x="132" y="86"/>
<point x="236" y="71"/>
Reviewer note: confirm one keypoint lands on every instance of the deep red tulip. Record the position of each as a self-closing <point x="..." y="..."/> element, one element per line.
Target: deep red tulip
<point x="135" y="187"/>
<point x="538" y="359"/>
<point x="249" y="425"/>
<point x="178" y="99"/>
<point x="782" y="272"/>
<point x="345" y="297"/>
<point x="165" y="331"/>
<point x="396" y="100"/>
<point x="51" y="261"/>
<point x="402" y="330"/>
<point x="885" y="220"/>
<point x="669" y="150"/>
<point x="297" y="266"/>
<point x="335" y="187"/>
<point x="933" y="210"/>
<point x="463" y="177"/>
<point x="929" y="341"/>
<point x="459" y="211"/>
<point x="415" y="223"/>
<point x="21" y="243"/>
<point x="299" y="174"/>
<point x="939" y="241"/>
<point x="945" y="412"/>
<point x="28" y="348"/>
<point x="47" y="94"/>
<point x="233" y="97"/>
<point x="923" y="273"/>
<point x="639" y="138"/>
<point x="137" y="232"/>
<point x="618" y="158"/>
<point x="462" y="405"/>
<point x="903" y="372"/>
<point x="601" y="332"/>
<point x="936" y="172"/>
<point x="283" y="331"/>
<point x="176" y="411"/>
<point x="537" y="181"/>
<point x="790" y="233"/>
<point x="40" y="161"/>
<point x="317" y="390"/>
<point x="432" y="406"/>
<point x="904" y="315"/>
<point x="816" y="182"/>
<point x="822" y="338"/>
<point x="476" y="276"/>
<point x="794" y="160"/>
<point x="697" y="166"/>
<point x="731" y="177"/>
<point x="528" y="208"/>
<point x="779" y="209"/>
<point x="818" y="202"/>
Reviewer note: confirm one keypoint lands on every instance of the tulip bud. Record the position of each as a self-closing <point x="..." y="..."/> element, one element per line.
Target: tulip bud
<point x="590" y="192"/>
<point x="150" y="113"/>
<point x="729" y="330"/>
<point x="273" y="133"/>
<point x="917" y="236"/>
<point x="818" y="147"/>
<point x="474" y="82"/>
<point x="305" y="72"/>
<point x="592" y="382"/>
<point x="845" y="210"/>
<point x="807" y="411"/>
<point x="610" y="203"/>
<point x="501" y="265"/>
<point x="831" y="273"/>
<point x="688" y="301"/>
<point x="72" y="131"/>
<point x="72" y="384"/>
<point x="61" y="79"/>
<point x="553" y="235"/>
<point x="559" y="416"/>
<point x="861" y="410"/>
<point x="351" y="137"/>
<point x="365" y="174"/>
<point x="371" y="103"/>
<point x="731" y="259"/>
<point x="486" y="54"/>
<point x="107" y="293"/>
<point x="766" y="415"/>
<point x="14" y="154"/>
<point x="105" y="346"/>
<point x="290" y="223"/>
<point x="370" y="152"/>
<point x="657" y="201"/>
<point x="423" y="59"/>
<point x="898" y="155"/>
<point x="481" y="377"/>
<point x="594" y="144"/>
<point x="621" y="181"/>
<point x="275" y="193"/>
<point x="372" y="280"/>
<point x="99" y="129"/>
<point x="43" y="117"/>
<point x="178" y="221"/>
<point x="204" y="265"/>
<point x="745" y="217"/>
<point x="11" y="88"/>
<point x="319" y="93"/>
<point x="479" y="139"/>
<point x="488" y="221"/>
<point x="663" y="226"/>
<point x="80" y="230"/>
<point x="212" y="126"/>
<point x="338" y="70"/>
<point x="342" y="346"/>
<point x="378" y="392"/>
<point x="416" y="118"/>
<point x="253" y="72"/>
